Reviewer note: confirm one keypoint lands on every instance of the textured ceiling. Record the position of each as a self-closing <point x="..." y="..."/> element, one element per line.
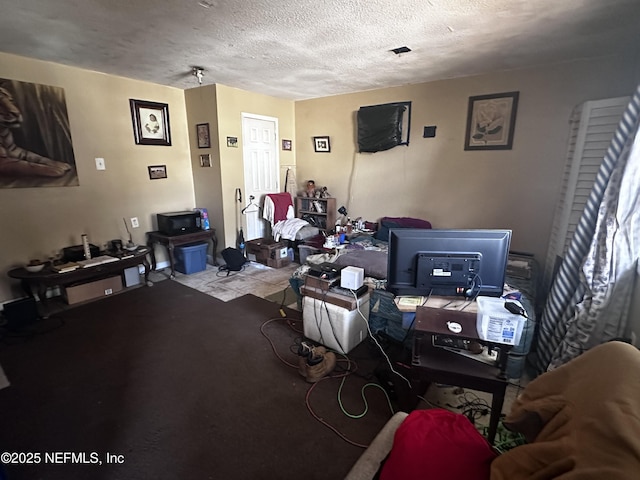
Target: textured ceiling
<point x="301" y="49"/>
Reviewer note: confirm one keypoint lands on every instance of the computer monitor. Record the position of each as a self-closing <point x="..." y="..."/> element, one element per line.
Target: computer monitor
<point x="447" y="262"/>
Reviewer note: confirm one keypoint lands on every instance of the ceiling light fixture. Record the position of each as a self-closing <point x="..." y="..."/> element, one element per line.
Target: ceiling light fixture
<point x="199" y="73"/>
<point x="400" y="50"/>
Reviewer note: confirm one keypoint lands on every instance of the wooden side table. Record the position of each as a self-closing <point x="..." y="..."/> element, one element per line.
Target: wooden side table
<point x="438" y="365"/>
<point x="172" y="241"/>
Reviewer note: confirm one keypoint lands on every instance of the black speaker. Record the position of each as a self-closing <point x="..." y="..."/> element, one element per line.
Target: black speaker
<point x="20" y="313"/>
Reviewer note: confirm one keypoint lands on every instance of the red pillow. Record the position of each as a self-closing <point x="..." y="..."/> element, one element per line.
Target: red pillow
<point x="440" y="445"/>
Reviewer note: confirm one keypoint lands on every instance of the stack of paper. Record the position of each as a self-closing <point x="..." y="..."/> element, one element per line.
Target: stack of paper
<point x="409" y="303"/>
<point x="65" y="267"/>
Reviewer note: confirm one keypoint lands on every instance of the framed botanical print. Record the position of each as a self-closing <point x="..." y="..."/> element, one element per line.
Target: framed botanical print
<point x="491" y="120"/>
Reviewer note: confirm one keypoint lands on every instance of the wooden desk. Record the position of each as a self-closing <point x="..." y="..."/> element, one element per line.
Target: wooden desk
<point x="172" y="241"/>
<point x="39" y="282"/>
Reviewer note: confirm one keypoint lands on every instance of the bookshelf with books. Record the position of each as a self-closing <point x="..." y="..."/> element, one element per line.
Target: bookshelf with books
<point x="319" y="212"/>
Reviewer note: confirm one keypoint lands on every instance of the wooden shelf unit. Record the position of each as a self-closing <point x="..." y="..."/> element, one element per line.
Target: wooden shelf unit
<point x="319" y="212"/>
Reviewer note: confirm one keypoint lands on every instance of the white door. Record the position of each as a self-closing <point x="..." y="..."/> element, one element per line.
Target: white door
<point x="261" y="169"/>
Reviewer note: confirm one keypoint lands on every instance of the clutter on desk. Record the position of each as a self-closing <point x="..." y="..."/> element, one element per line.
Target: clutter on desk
<point x="35" y="266"/>
<point x="409" y="303"/>
<point x="65" y="267"/>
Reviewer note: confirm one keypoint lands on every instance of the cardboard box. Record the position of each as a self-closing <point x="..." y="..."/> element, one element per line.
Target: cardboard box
<point x="268" y="252"/>
<point x="91" y="290"/>
<point x="278" y="262"/>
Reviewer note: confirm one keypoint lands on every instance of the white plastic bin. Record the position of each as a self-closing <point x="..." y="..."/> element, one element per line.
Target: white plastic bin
<point x="335" y="327"/>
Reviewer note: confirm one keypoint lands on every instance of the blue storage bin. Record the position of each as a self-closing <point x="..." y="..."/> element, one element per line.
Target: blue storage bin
<point x="191" y="258"/>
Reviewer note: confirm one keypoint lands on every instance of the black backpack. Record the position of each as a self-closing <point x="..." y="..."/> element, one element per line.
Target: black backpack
<point x="234" y="259"/>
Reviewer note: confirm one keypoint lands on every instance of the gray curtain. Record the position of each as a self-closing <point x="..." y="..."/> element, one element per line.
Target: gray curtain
<point x="591" y="293"/>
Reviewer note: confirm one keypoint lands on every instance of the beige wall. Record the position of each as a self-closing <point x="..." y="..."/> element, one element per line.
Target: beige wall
<point x="36" y="222"/>
<point x="432" y="178"/>
<point x="231" y="103"/>
<point x="201" y="108"/>
<point x="435" y="178"/>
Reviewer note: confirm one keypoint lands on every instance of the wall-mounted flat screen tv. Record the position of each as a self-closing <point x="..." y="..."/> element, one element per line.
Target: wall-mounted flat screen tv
<point x="381" y="127"/>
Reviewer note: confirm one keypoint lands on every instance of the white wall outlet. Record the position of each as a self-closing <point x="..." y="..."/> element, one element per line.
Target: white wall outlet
<point x="134" y="222"/>
<point x="100" y="165"/>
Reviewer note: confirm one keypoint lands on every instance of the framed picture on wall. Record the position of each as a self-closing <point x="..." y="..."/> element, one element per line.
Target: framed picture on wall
<point x="321" y="144"/>
<point x="157" y="171"/>
<point x="286" y="144"/>
<point x="204" y="140"/>
<point x="150" y="122"/>
<point x="205" y="160"/>
<point x="491" y="120"/>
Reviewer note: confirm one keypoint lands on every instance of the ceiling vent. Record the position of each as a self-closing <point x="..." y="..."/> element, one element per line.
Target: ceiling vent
<point x="400" y="50"/>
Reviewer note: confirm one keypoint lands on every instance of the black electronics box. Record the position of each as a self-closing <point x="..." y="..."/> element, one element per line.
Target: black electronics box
<point x="348" y="292"/>
<point x="178" y="223"/>
<point x="326" y="270"/>
<point x="76" y="253"/>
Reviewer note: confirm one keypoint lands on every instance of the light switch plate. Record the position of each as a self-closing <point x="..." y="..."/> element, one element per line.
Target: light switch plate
<point x="134" y="222"/>
<point x="100" y="165"/>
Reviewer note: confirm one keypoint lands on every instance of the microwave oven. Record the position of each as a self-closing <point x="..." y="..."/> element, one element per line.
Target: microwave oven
<point x="176" y="223"/>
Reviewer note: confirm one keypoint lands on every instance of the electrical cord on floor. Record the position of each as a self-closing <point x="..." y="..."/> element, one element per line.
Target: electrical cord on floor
<point x="473" y="407"/>
<point x="364" y="399"/>
<point x="375" y="340"/>
<point x="229" y="273"/>
<point x="344" y="368"/>
<point x="273" y="346"/>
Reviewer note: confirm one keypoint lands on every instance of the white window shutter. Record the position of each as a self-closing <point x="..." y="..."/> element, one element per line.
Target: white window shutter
<point x="593" y="125"/>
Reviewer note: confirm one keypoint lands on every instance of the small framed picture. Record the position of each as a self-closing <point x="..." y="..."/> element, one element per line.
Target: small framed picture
<point x="232" y="142"/>
<point x="205" y="160"/>
<point x="157" y="171"/>
<point x="491" y="120"/>
<point x="204" y="140"/>
<point x="150" y="122"/>
<point x="321" y="144"/>
<point x="286" y="144"/>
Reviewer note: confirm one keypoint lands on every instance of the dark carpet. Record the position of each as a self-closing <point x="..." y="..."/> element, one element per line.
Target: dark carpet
<point x="181" y="386"/>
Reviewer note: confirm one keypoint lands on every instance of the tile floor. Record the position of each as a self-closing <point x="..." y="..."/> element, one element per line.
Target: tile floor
<point x="255" y="278"/>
